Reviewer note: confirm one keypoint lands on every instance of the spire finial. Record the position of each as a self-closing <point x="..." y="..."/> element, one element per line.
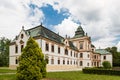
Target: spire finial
<point x="86" y="34"/>
<point x="66" y="36"/>
<point x="41" y="24"/>
<point x="22" y="27"/>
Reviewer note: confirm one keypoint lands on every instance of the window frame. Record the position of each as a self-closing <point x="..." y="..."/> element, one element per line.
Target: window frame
<point x="47" y="46"/>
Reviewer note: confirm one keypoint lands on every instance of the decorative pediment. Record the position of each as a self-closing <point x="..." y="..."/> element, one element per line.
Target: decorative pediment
<point x="21" y="42"/>
<point x="66" y="42"/>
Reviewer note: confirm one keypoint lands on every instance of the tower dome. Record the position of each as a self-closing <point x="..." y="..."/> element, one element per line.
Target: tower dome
<point x="79" y="32"/>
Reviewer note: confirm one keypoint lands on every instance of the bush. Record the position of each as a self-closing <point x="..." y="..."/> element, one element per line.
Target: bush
<point x="32" y="65"/>
<point x="106" y="64"/>
<point x="100" y="71"/>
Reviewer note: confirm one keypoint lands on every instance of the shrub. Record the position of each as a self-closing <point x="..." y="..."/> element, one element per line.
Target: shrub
<point x="106" y="64"/>
<point x="32" y="65"/>
<point x="100" y="71"/>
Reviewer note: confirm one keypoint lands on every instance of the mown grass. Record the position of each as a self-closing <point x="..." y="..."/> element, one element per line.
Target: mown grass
<point x="78" y="75"/>
<point x="7" y="70"/>
<point x="8" y="77"/>
<point x="72" y="75"/>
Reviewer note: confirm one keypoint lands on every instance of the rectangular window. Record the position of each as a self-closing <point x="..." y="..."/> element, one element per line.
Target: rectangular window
<point x="95" y="57"/>
<point x="81" y="55"/>
<point x="58" y="61"/>
<point x="104" y="57"/>
<point x="47" y="47"/>
<point x="52" y="61"/>
<point x="16" y="49"/>
<point x="66" y="52"/>
<point x="76" y="54"/>
<point x="81" y="63"/>
<point x="68" y="62"/>
<point x="22" y="46"/>
<point x="63" y="61"/>
<point x="16" y="61"/>
<point x="81" y="45"/>
<point x="71" y="62"/>
<point x="59" y="50"/>
<point x="71" y="53"/>
<point x="52" y="48"/>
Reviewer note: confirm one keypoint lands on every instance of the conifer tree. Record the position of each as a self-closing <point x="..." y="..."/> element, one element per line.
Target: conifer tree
<point x="32" y="65"/>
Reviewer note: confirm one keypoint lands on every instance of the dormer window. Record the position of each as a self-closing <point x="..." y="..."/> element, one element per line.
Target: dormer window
<point x="22" y="36"/>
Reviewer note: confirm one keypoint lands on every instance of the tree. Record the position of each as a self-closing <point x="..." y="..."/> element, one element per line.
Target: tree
<point x="106" y="64"/>
<point x="4" y="51"/>
<point x="32" y="65"/>
<point x="116" y="55"/>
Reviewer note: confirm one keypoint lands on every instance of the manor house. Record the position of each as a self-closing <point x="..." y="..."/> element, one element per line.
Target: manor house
<point x="62" y="53"/>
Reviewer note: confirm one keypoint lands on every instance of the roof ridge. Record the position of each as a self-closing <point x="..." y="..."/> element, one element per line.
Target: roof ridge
<point x="46" y="29"/>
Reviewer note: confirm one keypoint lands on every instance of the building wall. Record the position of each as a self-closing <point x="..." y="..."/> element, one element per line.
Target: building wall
<point x="108" y="58"/>
<point x="72" y="60"/>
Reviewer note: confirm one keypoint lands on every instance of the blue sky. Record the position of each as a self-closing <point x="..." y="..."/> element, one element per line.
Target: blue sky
<point x="52" y="17"/>
<point x="100" y="19"/>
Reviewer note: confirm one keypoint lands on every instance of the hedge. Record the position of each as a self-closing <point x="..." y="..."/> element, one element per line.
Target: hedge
<point x="101" y="71"/>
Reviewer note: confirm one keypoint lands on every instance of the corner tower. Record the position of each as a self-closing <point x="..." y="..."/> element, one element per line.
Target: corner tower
<point x="81" y="40"/>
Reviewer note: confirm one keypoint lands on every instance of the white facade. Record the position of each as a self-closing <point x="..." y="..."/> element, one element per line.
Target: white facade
<point x="106" y="58"/>
<point x="79" y="55"/>
<point x="118" y="47"/>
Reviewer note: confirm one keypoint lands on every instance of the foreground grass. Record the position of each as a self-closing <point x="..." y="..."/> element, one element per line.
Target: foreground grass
<point x="78" y="75"/>
<point x="8" y="77"/>
<point x="73" y="75"/>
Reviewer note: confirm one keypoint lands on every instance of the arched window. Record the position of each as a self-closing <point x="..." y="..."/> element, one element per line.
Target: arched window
<point x="22" y="36"/>
<point x="104" y="57"/>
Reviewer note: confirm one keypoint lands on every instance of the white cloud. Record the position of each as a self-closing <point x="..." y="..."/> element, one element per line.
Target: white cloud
<point x="14" y="14"/>
<point x="67" y="27"/>
<point x="100" y="19"/>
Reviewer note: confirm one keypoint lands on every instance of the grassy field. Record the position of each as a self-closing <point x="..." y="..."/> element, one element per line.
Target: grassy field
<point x="73" y="75"/>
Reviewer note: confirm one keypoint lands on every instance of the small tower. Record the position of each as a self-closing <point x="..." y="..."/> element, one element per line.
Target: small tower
<point x="79" y="33"/>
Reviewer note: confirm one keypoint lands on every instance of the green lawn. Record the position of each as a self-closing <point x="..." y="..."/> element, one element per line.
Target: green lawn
<point x="5" y="70"/>
<point x="72" y="75"/>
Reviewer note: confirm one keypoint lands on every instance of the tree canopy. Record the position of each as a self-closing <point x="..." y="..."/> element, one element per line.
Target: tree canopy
<point x="116" y="55"/>
<point x="4" y="51"/>
<point x="32" y="65"/>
